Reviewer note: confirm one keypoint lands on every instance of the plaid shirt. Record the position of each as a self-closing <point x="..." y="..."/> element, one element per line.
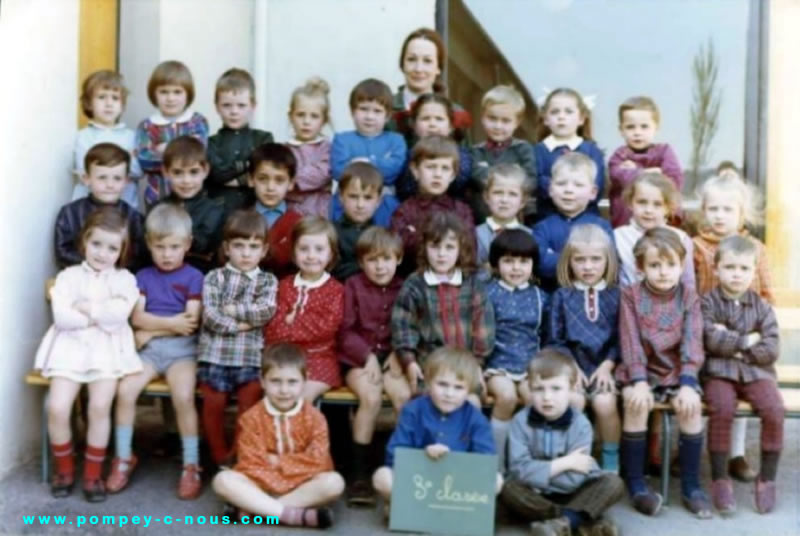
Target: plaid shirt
<point x="705" y="247"/>
<point x="254" y="296"/>
<point x="750" y="313"/>
<point x="428" y="315"/>
<point x="661" y="336"/>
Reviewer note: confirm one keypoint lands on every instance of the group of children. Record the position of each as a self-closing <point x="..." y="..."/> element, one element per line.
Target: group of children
<point x="285" y="270"/>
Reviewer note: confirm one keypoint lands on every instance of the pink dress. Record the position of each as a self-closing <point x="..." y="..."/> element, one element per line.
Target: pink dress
<point x="312" y="187"/>
<point x="76" y="350"/>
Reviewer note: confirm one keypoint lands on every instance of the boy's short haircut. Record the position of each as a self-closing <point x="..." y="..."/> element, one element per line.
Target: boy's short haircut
<point x="513" y="243"/>
<point x="672" y="197"/>
<point x="664" y="240"/>
<point x="317" y="225"/>
<point x="245" y="223"/>
<point x="508" y="170"/>
<point x="460" y="362"/>
<point x="366" y="173"/>
<point x="640" y="103"/>
<point x="504" y="94"/>
<point x="235" y="80"/>
<point x="435" y="146"/>
<point x="276" y="154"/>
<point x="376" y="239"/>
<point x="171" y="73"/>
<point x="372" y="89"/>
<point x="167" y="219"/>
<point x="283" y="354"/>
<point x="106" y="154"/>
<point x="551" y="362"/>
<point x="575" y="161"/>
<point x="104" y="79"/>
<point x="186" y="150"/>
<point x="736" y="244"/>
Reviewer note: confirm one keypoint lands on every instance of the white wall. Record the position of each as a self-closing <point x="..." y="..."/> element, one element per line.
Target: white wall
<point x="38" y="104"/>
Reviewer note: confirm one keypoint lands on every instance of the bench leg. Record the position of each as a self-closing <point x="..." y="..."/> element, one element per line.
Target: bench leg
<point x="666" y="443"/>
<point x="45" y="441"/>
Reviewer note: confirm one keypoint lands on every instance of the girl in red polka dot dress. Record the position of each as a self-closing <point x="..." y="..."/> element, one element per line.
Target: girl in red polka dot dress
<point x="311" y="304"/>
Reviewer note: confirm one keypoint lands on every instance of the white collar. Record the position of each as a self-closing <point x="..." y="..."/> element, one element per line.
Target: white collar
<point x="275" y="412"/>
<point x="433" y="280"/>
<point x="251" y="274"/>
<point x="158" y="119"/>
<point x="494" y="226"/>
<point x="297" y="143"/>
<point x="600" y="285"/>
<point x="117" y="126"/>
<point x="509" y="288"/>
<point x="300" y="282"/>
<point x="551" y="142"/>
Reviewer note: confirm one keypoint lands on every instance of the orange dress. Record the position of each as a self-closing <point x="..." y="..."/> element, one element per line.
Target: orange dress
<point x="298" y="437"/>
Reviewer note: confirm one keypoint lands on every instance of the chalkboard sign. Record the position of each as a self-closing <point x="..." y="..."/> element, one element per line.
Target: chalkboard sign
<point x="452" y="495"/>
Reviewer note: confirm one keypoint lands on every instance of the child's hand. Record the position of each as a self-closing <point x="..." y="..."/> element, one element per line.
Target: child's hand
<point x="243" y="326"/>
<point x="602" y="377"/>
<point x="273" y="459"/>
<point x="641" y="398"/>
<point x="414" y="375"/>
<point x="83" y="307"/>
<point x="229" y="309"/>
<point x="184" y="324"/>
<point x="719" y="326"/>
<point x="373" y="369"/>
<point x="628" y="164"/>
<point x="436" y="451"/>
<point x="753" y="338"/>
<point x="581" y="461"/>
<point x="687" y="402"/>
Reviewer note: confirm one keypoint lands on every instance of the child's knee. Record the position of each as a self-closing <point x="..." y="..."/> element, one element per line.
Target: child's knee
<point x="382" y="480"/>
<point x="59" y="412"/>
<point x="99" y="409"/>
<point x="371" y="399"/>
<point x="636" y="418"/>
<point x="127" y="392"/>
<point x="331" y="484"/>
<point x="690" y="424"/>
<point x="605" y="404"/>
<point x="505" y="401"/>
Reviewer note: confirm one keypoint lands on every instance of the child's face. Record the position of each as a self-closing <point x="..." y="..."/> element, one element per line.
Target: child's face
<point x="499" y="121"/>
<point x="571" y="191"/>
<point x="186" y="178"/>
<point x="270" y="183"/>
<point x="106" y="182"/>
<point x="550" y="397"/>
<point x="307" y="117"/>
<point x="102" y="248"/>
<point x="171" y="100"/>
<point x="379" y="266"/>
<point x="662" y="272"/>
<point x="638" y="128"/>
<point x="588" y="263"/>
<point x="443" y="255"/>
<point x="515" y="271"/>
<point x="312" y="254"/>
<point x="370" y="117"/>
<point x="421" y="65"/>
<point x="106" y="106"/>
<point x="245" y="254"/>
<point x="168" y="251"/>
<point x="563" y="116"/>
<point x="283" y="386"/>
<point x="359" y="203"/>
<point x="723" y="212"/>
<point x="235" y="108"/>
<point x="648" y="206"/>
<point x="432" y="119"/>
<point x="736" y="272"/>
<point x="504" y="199"/>
<point x="434" y="175"/>
<point x="447" y="391"/>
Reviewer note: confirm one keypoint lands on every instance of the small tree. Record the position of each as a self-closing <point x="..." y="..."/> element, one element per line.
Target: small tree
<point x="705" y="106"/>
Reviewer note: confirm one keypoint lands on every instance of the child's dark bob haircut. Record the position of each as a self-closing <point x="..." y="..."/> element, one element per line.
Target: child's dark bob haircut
<point x="283" y="354"/>
<point x="435" y="228"/>
<point x="513" y="243"/>
<point x="187" y="150"/>
<point x="245" y="223"/>
<point x="276" y="154"/>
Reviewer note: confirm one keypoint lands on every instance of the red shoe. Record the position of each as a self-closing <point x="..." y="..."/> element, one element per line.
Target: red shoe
<point x="190" y="485"/>
<point x="722" y="496"/>
<point x="120" y="475"/>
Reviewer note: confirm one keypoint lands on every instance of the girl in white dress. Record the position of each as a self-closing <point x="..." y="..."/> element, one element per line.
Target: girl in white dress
<point x="90" y="342"/>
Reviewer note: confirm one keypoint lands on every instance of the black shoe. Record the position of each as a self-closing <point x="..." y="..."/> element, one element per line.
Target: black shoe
<point x="61" y="485"/>
<point x="360" y="493"/>
<point x="94" y="490"/>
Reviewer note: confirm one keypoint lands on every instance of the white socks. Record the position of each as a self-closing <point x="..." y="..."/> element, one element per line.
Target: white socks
<point x="500" y="436"/>
<point x="738" y="436"/>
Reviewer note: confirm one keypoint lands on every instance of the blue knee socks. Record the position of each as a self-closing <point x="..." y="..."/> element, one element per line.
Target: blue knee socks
<point x="191" y="450"/>
<point x="123" y="436"/>
<point x="634" y="451"/>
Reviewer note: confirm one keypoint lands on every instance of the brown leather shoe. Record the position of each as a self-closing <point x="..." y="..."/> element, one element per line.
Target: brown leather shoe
<point x="722" y="497"/>
<point x="558" y="526"/>
<point x="766" y="496"/>
<point x="120" y="476"/>
<point x="61" y="485"/>
<point x="190" y="485"/>
<point x="739" y="469"/>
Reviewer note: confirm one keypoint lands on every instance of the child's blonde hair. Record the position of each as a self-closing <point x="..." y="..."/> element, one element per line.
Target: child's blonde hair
<point x="513" y="171"/>
<point x="672" y="198"/>
<point x="584" y="131"/>
<point x="108" y="219"/>
<point x="460" y="362"/>
<point x="665" y="241"/>
<point x="551" y="362"/>
<point x="587" y="234"/>
<point x="504" y="94"/>
<point x="314" y="88"/>
<point x="104" y="79"/>
<point x="235" y="80"/>
<point x="435" y="229"/>
<point x="311" y="225"/>
<point x="640" y="103"/>
<point x="575" y="161"/>
<point x="167" y="219"/>
<point x="749" y="200"/>
<point x="171" y="73"/>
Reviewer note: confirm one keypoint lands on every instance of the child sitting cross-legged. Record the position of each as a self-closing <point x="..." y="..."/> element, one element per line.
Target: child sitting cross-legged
<point x="741" y="341"/>
<point x="166" y="319"/>
<point x="284" y="465"/>
<point x="553" y="480"/>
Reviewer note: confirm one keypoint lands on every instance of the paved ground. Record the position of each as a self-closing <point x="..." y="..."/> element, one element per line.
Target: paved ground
<point x="151" y="493"/>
